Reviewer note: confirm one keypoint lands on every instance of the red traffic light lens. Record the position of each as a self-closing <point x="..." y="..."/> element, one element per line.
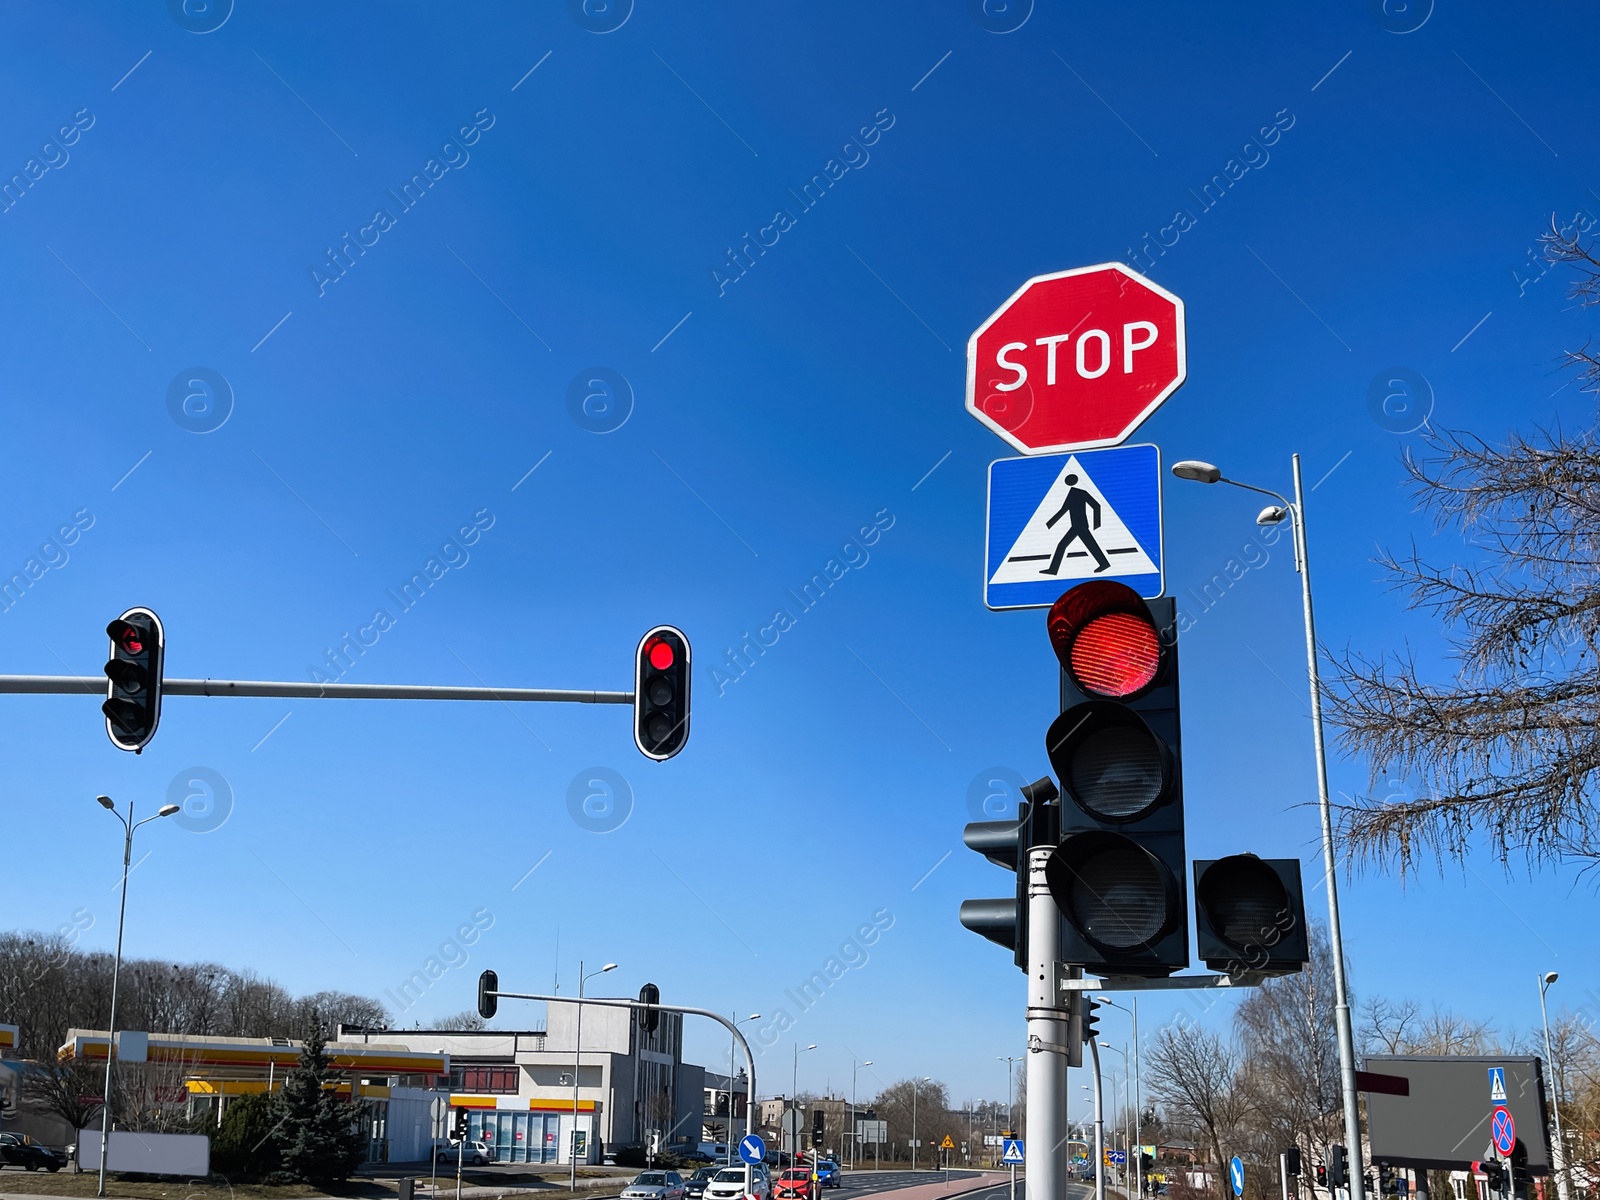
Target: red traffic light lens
<point x="1106" y="639"/>
<point x="660" y="654"/>
<point x="1115" y="655"/>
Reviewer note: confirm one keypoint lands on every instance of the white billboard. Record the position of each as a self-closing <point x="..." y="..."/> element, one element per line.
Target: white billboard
<point x="187" y="1154"/>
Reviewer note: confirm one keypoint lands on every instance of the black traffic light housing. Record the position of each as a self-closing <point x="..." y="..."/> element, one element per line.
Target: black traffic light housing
<point x="817" y="1134"/>
<point x="488" y="994"/>
<point x="459" y="1131"/>
<point x="1388" y="1184"/>
<point x="1322" y="1175"/>
<point x="661" y="693"/>
<point x="649" y="1015"/>
<point x="1091" y="1018"/>
<point x="1118" y="872"/>
<point x="1521" y="1177"/>
<point x="1250" y="915"/>
<point x="1006" y="844"/>
<point x="1291" y="1161"/>
<point x="1494" y="1174"/>
<point x="1338" y="1167"/>
<point x="133" y="679"/>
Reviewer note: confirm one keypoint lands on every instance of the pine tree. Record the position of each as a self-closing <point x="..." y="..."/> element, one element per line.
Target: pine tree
<point x="319" y="1135"/>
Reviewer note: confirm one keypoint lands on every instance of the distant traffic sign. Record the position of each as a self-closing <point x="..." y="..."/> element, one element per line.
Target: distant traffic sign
<point x="1236" y="1174"/>
<point x="1058" y="520"/>
<point x="1013" y="1155"/>
<point x="1497" y="1085"/>
<point x="1116" y="1157"/>
<point x="947" y="1144"/>
<point x="752" y="1149"/>
<point x="1503" y="1129"/>
<point x="1076" y="359"/>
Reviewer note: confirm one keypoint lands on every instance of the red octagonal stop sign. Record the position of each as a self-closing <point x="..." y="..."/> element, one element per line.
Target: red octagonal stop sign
<point x="1076" y="359"/>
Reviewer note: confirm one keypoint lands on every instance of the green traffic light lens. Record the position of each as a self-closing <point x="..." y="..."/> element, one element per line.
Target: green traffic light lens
<point x="1116" y="771"/>
<point x="1114" y="891"/>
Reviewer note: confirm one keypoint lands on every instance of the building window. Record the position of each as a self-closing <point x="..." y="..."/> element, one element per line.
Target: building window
<point x="485" y="1080"/>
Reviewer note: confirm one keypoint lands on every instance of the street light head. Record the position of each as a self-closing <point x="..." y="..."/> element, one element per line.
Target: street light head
<point x="868" y="1063"/>
<point x="1271" y="514"/>
<point x="813" y="1046"/>
<point x="609" y="967"/>
<point x="753" y="1017"/>
<point x="1550" y="977"/>
<point x="1198" y="472"/>
<point x="166" y="810"/>
<point x="1104" y="1000"/>
<point x="105" y="802"/>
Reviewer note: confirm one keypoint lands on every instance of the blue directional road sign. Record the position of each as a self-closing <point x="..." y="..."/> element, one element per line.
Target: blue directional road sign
<point x="1503" y="1130"/>
<point x="1236" y="1174"/>
<point x="1058" y="519"/>
<point x="1116" y="1157"/>
<point x="1012" y="1155"/>
<point x="752" y="1149"/>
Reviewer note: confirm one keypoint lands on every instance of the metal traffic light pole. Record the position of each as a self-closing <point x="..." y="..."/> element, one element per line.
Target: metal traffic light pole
<point x="1049" y="1040"/>
<point x="96" y="685"/>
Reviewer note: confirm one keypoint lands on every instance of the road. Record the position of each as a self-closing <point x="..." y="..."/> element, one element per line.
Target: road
<point x="864" y="1183"/>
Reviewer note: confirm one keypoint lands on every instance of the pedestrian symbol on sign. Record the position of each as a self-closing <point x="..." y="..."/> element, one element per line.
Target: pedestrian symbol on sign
<point x="1497" y="1085"/>
<point x="1012" y="1155"/>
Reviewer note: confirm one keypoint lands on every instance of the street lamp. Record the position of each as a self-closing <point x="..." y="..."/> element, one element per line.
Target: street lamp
<point x="915" y="1087"/>
<point x="794" y="1100"/>
<point x="577" y="1066"/>
<point x="1138" y="1100"/>
<point x="1545" y="980"/>
<point x="854" y="1136"/>
<point x="1011" y="1095"/>
<point x="128" y="826"/>
<point x="749" y="1100"/>
<point x="1203" y="472"/>
<point x="1126" y="1078"/>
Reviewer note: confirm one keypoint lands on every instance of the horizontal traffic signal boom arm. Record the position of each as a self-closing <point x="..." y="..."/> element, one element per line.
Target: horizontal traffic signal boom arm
<point x="95" y="685"/>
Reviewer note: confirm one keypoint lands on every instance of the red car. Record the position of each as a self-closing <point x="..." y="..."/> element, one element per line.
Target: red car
<point x="793" y="1184"/>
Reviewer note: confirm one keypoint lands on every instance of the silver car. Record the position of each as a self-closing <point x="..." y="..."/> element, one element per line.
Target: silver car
<point x="655" y="1185"/>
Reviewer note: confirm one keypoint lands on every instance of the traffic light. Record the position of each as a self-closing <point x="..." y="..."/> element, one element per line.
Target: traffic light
<point x="488" y="994"/>
<point x="1006" y="844"/>
<point x="1291" y="1161"/>
<point x="1521" y="1178"/>
<point x="817" y="1134"/>
<point x="661" y="693"/>
<point x="459" y="1132"/>
<point x="1494" y="1173"/>
<point x="1118" y="872"/>
<point x="1322" y="1175"/>
<point x="649" y="1015"/>
<point x="1091" y="1019"/>
<point x="1387" y="1183"/>
<point x="1338" y="1167"/>
<point x="1250" y="915"/>
<point x="133" y="679"/>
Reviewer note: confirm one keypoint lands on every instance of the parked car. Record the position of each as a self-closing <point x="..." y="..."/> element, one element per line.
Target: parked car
<point x="728" y="1184"/>
<point x="691" y="1154"/>
<point x="694" y="1187"/>
<point x="655" y="1185"/>
<point x="793" y="1184"/>
<point x="18" y="1149"/>
<point x="828" y="1174"/>
<point x="476" y="1154"/>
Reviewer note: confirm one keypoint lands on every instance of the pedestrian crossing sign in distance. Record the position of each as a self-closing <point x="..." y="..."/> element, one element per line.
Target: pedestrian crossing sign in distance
<point x="1056" y="520"/>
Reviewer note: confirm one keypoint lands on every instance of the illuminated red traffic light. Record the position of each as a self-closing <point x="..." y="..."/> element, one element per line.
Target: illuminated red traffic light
<point x="1105" y="637"/>
<point x="661" y="653"/>
<point x="661" y="693"/>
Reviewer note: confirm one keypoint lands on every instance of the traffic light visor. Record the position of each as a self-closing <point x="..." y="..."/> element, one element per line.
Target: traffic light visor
<point x="1118" y="894"/>
<point x="1243" y="899"/>
<point x="1106" y="639"/>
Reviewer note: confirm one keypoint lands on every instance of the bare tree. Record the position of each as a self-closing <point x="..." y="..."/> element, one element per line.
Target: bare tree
<point x="467" y="1018"/>
<point x="1194" y="1077"/>
<point x="1508" y="749"/>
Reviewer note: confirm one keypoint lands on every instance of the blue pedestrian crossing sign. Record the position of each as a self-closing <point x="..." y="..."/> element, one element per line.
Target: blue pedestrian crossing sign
<point x="1497" y="1085"/>
<point x="1236" y="1174"/>
<point x="1012" y="1155"/>
<point x="752" y="1149"/>
<point x="1058" y="519"/>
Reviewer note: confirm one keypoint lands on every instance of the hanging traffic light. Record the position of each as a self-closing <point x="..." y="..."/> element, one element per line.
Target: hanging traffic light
<point x="1118" y="872"/>
<point x="133" y="679"/>
<point x="661" y="693"/>
<point x="488" y="994"/>
<point x="1250" y="915"/>
<point x="1006" y="844"/>
<point x="649" y="1015"/>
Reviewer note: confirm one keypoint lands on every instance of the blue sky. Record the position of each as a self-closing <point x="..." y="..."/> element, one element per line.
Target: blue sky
<point x="583" y="222"/>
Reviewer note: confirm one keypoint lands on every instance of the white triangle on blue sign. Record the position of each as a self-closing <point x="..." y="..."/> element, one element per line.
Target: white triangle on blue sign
<point x="1497" y="1083"/>
<point x="1013" y="1153"/>
<point x="1070" y="505"/>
